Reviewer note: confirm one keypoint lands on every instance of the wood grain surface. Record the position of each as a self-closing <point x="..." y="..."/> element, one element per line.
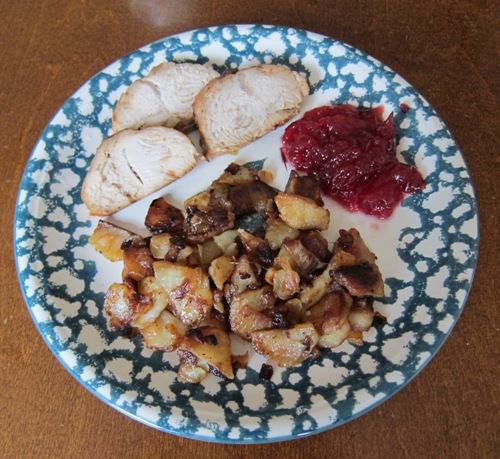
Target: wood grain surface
<point x="448" y="50"/>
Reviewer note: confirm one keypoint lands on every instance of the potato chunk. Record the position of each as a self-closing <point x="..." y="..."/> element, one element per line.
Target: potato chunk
<point x="245" y="275"/>
<point x="120" y="303"/>
<point x="285" y="281"/>
<point x="220" y="270"/>
<point x="360" y="280"/>
<point x="286" y="346"/>
<point x="245" y="312"/>
<point x="108" y="238"/>
<point x="277" y="231"/>
<point x="137" y="260"/>
<point x="302" y="213"/>
<point x="153" y="302"/>
<point x="313" y="292"/>
<point x="188" y="290"/>
<point x="330" y="317"/>
<point x="163" y="217"/>
<point x="362" y="314"/>
<point x="207" y="347"/>
<point x="169" y="247"/>
<point x="165" y="333"/>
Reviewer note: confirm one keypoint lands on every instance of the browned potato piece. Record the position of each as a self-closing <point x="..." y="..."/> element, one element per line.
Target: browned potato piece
<point x="208" y="346"/>
<point x="245" y="275"/>
<point x="266" y="176"/>
<point x="245" y="311"/>
<point x="277" y="231"/>
<point x="304" y="185"/>
<point x="317" y="245"/>
<point x="250" y="197"/>
<point x="190" y="370"/>
<point x="336" y="337"/>
<point x="216" y="318"/>
<point x="355" y="337"/>
<point x="286" y="346"/>
<point x="285" y="281"/>
<point x="137" y="261"/>
<point x="201" y="225"/>
<point x="165" y="333"/>
<point x="188" y="291"/>
<point x="169" y="247"/>
<point x="153" y="302"/>
<point x="302" y="213"/>
<point x="350" y="242"/>
<point x="120" y="303"/>
<point x="329" y="315"/>
<point x="227" y="242"/>
<point x="220" y="270"/>
<point x="257" y="248"/>
<point x="295" y="311"/>
<point x="163" y="217"/>
<point x="234" y="174"/>
<point x="355" y="265"/>
<point x="108" y="238"/>
<point x="330" y="312"/>
<point x="361" y="314"/>
<point x="304" y="261"/>
<point x="216" y="196"/>
<point x="313" y="292"/>
<point x="361" y="280"/>
<point x="208" y="251"/>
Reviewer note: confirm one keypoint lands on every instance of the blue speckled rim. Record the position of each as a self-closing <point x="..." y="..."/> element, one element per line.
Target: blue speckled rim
<point x="431" y="250"/>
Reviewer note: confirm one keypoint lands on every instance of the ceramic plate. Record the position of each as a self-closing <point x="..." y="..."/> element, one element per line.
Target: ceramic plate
<point x="427" y="250"/>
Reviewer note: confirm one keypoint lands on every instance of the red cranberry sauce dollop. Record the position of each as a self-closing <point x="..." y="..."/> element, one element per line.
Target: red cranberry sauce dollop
<point x="352" y="151"/>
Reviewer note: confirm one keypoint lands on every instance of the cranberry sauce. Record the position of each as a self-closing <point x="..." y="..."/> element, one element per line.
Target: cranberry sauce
<point x="352" y="151"/>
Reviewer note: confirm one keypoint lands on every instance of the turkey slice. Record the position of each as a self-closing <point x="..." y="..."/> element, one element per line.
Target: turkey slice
<point x="162" y="98"/>
<point x="132" y="164"/>
<point x="235" y="109"/>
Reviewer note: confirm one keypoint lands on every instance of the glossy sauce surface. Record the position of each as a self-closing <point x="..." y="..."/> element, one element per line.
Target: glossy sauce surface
<point x="352" y="151"/>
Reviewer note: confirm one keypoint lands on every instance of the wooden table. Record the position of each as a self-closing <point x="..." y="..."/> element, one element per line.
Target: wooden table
<point x="448" y="50"/>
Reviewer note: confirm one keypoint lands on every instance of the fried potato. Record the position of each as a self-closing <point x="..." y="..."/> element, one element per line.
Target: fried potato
<point x="302" y="213"/>
<point x="148" y="311"/>
<point x="314" y="291"/>
<point x="245" y="311"/>
<point x="285" y="281"/>
<point x="120" y="303"/>
<point x="207" y="347"/>
<point x="277" y="231"/>
<point x="286" y="347"/>
<point x="277" y="284"/>
<point x="165" y="333"/>
<point x="220" y="270"/>
<point x="170" y="247"/>
<point x="361" y="314"/>
<point x="188" y="290"/>
<point x="108" y="238"/>
<point x="330" y="317"/>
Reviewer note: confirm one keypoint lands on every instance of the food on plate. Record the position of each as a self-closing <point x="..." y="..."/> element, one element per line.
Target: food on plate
<point x="107" y="239"/>
<point x="237" y="108"/>
<point x="301" y="213"/>
<point x="352" y="152"/>
<point x="203" y="276"/>
<point x="131" y="165"/>
<point x="164" y="97"/>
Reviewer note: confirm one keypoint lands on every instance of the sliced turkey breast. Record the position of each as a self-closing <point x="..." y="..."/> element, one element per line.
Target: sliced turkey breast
<point x="162" y="98"/>
<point x="132" y="164"/>
<point x="235" y="109"/>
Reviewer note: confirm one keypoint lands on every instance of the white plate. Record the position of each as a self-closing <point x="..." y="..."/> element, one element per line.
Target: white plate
<point x="427" y="250"/>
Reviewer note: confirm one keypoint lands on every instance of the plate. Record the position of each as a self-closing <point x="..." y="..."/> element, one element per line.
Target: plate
<point x="426" y="251"/>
